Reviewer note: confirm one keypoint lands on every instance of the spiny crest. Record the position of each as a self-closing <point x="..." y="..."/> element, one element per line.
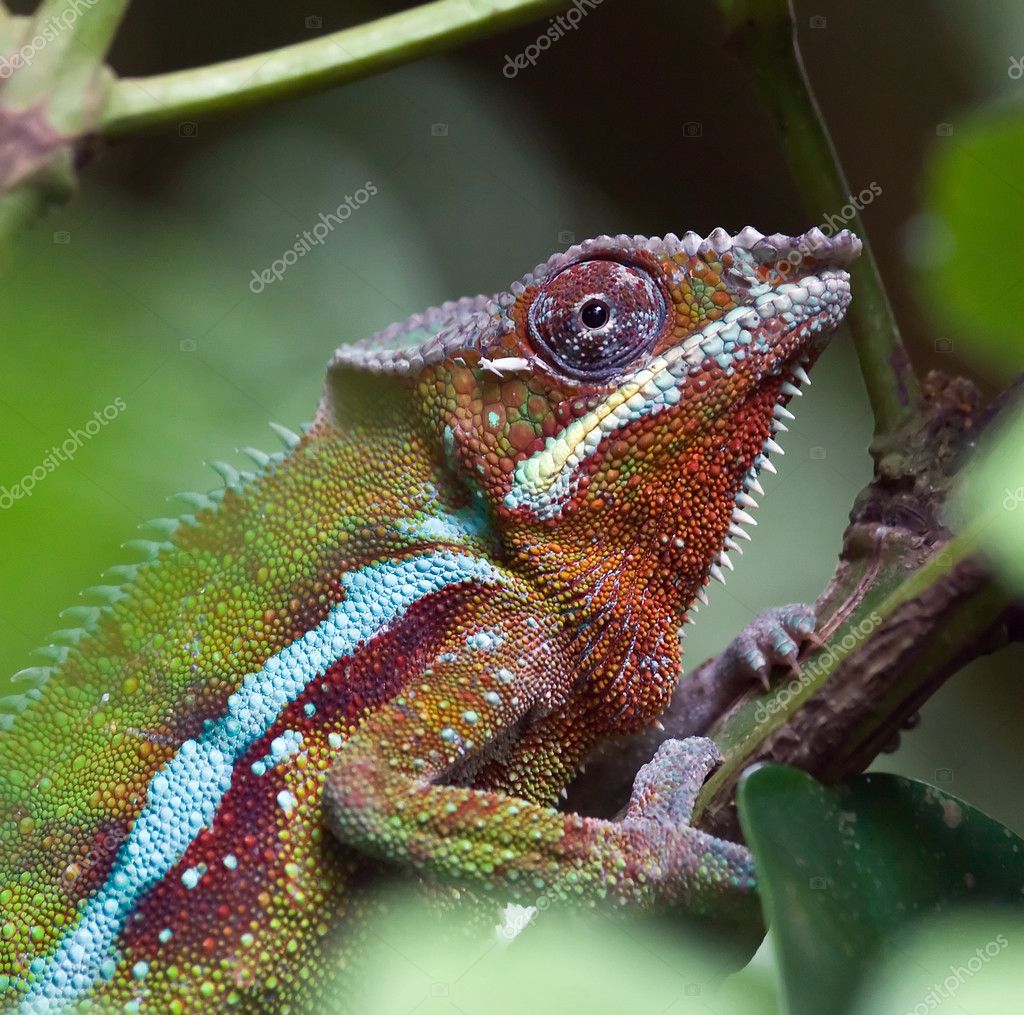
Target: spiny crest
<point x="423" y="339"/>
<point x="744" y="501"/>
<point x="432" y="335"/>
<point x="99" y="598"/>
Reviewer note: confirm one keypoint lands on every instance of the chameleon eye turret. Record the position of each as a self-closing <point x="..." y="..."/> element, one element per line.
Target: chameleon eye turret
<point x="595" y="317"/>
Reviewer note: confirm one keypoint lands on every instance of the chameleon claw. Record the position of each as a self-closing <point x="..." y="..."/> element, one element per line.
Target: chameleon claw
<point x="814" y="640"/>
<point x="772" y="638"/>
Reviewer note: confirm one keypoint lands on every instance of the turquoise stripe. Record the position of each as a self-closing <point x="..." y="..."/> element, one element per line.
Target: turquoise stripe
<point x="184" y="795"/>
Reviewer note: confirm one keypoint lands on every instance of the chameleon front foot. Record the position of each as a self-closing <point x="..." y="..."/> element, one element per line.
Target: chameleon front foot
<point x="665" y="789"/>
<point x="707" y="871"/>
<point x="772" y="638"/>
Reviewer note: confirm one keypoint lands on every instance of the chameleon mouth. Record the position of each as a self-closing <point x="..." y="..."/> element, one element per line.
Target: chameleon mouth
<point x="779" y="327"/>
<point x="796" y="350"/>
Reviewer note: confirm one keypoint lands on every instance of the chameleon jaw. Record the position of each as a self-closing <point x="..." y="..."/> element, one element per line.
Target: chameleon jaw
<point x="794" y="375"/>
<point x="807" y="308"/>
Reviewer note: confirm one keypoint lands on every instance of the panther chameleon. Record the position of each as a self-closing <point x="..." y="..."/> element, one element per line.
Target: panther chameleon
<point x="398" y="639"/>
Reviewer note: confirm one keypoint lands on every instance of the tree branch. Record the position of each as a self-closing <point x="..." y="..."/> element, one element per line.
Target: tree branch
<point x="318" y="63"/>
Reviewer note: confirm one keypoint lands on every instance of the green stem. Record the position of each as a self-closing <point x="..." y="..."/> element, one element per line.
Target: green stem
<point x="65" y="70"/>
<point x="317" y="63"/>
<point x="53" y="94"/>
<point x="765" y="30"/>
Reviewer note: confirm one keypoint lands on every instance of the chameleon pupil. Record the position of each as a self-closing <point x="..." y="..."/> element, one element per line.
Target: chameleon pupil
<point x="594" y="314"/>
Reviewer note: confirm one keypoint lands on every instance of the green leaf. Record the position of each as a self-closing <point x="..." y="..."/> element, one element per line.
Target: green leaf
<point x="440" y="962"/>
<point x="971" y="250"/>
<point x="841" y="870"/>
<point x="991" y="496"/>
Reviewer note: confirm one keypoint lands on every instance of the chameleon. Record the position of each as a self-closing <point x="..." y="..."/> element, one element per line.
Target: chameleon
<point x="395" y="641"/>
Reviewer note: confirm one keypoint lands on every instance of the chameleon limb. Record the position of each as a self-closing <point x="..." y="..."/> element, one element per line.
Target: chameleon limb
<point x="404" y="813"/>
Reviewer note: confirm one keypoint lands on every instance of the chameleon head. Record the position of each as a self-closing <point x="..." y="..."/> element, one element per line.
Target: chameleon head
<point x="628" y="389"/>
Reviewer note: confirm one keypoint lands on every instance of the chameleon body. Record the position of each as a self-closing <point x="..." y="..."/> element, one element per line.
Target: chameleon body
<point x="399" y="638"/>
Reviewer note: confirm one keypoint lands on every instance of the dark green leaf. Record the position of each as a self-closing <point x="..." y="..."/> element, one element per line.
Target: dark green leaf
<point x="842" y="870"/>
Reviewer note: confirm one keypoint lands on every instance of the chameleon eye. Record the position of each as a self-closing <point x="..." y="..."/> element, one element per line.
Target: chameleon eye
<point x="595" y="317"/>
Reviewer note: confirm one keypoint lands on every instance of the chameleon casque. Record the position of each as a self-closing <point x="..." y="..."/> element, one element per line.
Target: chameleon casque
<point x="398" y="639"/>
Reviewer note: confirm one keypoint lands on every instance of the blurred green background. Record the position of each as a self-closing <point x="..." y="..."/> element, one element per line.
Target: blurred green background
<point x="640" y="121"/>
